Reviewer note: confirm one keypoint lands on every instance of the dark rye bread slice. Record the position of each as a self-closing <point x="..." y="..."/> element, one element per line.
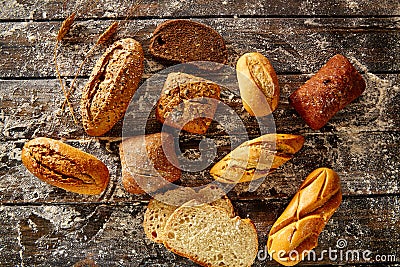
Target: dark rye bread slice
<point x="184" y="41"/>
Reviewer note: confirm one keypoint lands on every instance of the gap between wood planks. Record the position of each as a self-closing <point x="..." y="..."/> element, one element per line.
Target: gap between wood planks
<point x="145" y="201"/>
<point x="212" y="17"/>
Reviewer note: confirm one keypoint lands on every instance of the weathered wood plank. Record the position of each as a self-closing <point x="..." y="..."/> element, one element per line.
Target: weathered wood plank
<point x="61" y="235"/>
<point x="51" y="9"/>
<point x="368" y="163"/>
<point x="26" y="111"/>
<point x="292" y="45"/>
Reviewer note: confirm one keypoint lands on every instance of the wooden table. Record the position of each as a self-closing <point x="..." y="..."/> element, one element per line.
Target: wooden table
<point x="45" y="226"/>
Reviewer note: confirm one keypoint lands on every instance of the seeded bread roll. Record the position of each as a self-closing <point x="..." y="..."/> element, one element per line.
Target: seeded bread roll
<point x="333" y="87"/>
<point x="209" y="236"/>
<point x="299" y="226"/>
<point x="185" y="41"/>
<point x="187" y="102"/>
<point x="65" y="166"/>
<point x="111" y="85"/>
<point x="145" y="160"/>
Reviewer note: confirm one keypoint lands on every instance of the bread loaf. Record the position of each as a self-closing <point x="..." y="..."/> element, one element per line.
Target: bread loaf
<point x="299" y="226"/>
<point x="256" y="158"/>
<point x="258" y="84"/>
<point x="64" y="166"/>
<point x="111" y="85"/>
<point x="209" y="236"/>
<point x="333" y="87"/>
<point x="187" y="102"/>
<point x="147" y="159"/>
<point x="162" y="206"/>
<point x="185" y="41"/>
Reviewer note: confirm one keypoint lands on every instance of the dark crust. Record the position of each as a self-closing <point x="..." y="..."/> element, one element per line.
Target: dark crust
<point x="184" y="41"/>
<point x="333" y="87"/>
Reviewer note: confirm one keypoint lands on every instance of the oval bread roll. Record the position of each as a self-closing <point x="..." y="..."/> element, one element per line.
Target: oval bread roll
<point x="111" y="85"/>
<point x="65" y="166"/>
<point x="258" y="84"/>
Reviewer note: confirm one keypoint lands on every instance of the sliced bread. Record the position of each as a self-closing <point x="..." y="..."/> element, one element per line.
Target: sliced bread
<point x="160" y="209"/>
<point x="185" y="41"/>
<point x="209" y="236"/>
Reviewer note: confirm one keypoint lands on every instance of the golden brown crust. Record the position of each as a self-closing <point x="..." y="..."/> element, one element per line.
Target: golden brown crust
<point x="333" y="87"/>
<point x="299" y="226"/>
<point x="186" y="102"/>
<point x="111" y="85"/>
<point x="144" y="159"/>
<point x="258" y="83"/>
<point x="257" y="158"/>
<point x="64" y="166"/>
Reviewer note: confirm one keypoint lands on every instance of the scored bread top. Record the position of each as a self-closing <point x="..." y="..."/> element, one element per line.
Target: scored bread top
<point x="210" y="237"/>
<point x="185" y="41"/>
<point x="304" y="218"/>
<point x="65" y="166"/>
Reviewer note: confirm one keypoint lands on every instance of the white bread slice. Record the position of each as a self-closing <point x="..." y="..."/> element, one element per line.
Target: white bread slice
<point x="210" y="237"/>
<point x="159" y="210"/>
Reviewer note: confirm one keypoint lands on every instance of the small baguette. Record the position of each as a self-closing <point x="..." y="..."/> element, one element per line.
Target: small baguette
<point x="257" y="158"/>
<point x="210" y="237"/>
<point x="299" y="226"/>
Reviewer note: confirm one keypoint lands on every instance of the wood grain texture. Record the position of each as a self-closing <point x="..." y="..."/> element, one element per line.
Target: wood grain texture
<point x="292" y="45"/>
<point x="55" y="9"/>
<point x="46" y="226"/>
<point x="367" y="163"/>
<point x="62" y="235"/>
<point x="26" y="111"/>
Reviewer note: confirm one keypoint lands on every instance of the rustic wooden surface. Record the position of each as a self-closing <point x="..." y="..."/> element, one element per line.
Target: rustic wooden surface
<point x="46" y="226"/>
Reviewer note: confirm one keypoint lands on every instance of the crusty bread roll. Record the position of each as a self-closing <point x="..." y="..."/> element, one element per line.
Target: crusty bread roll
<point x="145" y="159"/>
<point x="65" y="166"/>
<point x="333" y="87"/>
<point x="258" y="84"/>
<point x="296" y="231"/>
<point x="187" y="102"/>
<point x="209" y="236"/>
<point x="112" y="83"/>
<point x="256" y="158"/>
